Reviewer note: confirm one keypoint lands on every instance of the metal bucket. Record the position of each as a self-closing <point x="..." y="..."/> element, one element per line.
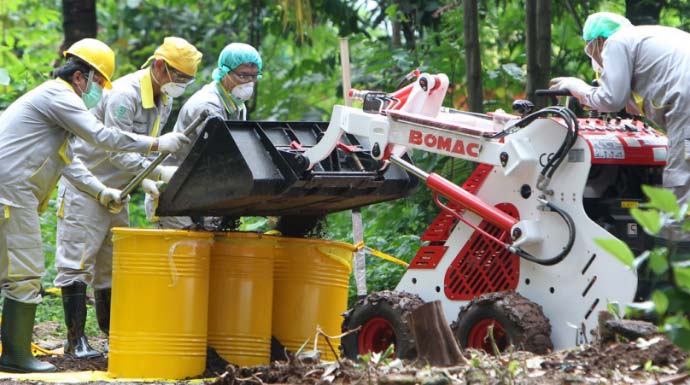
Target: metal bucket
<point x="241" y="168"/>
<point x="240" y="297"/>
<point x="310" y="288"/>
<point x="159" y="305"/>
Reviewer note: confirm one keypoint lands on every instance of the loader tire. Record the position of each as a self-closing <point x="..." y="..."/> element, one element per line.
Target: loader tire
<point x="516" y="321"/>
<point x="383" y="317"/>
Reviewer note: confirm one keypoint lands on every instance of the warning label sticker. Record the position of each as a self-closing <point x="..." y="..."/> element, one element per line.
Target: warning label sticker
<point x="607" y="148"/>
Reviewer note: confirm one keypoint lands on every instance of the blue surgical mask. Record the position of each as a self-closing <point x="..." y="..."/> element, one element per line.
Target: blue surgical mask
<point x="92" y="95"/>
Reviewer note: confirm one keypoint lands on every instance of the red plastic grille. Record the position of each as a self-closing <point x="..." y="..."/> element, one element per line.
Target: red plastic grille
<point x="483" y="266"/>
<point x="427" y="257"/>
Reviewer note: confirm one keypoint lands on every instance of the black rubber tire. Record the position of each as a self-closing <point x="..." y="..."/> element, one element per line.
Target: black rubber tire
<point x="393" y="306"/>
<point x="524" y="322"/>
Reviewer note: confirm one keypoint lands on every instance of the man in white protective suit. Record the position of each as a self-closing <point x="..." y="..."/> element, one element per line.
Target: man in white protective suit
<point x="239" y="67"/>
<point x="35" y="149"/>
<point x="139" y="102"/>
<point x="643" y="69"/>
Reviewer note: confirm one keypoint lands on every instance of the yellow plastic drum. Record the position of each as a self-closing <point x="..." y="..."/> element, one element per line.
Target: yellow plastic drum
<point x="159" y="309"/>
<point x="240" y="297"/>
<point x="311" y="279"/>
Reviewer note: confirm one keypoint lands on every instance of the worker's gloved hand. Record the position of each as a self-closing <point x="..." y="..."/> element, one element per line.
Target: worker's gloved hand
<point x="163" y="173"/>
<point x="172" y="142"/>
<point x="577" y="87"/>
<point x="150" y="188"/>
<point x="110" y="198"/>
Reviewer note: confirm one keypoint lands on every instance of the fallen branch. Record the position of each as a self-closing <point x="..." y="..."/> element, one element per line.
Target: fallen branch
<point x="669" y="379"/>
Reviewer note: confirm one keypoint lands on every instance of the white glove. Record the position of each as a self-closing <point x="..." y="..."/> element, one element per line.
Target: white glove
<point x="577" y="87"/>
<point x="163" y="173"/>
<point x="150" y="188"/>
<point x="172" y="142"/>
<point x="110" y="198"/>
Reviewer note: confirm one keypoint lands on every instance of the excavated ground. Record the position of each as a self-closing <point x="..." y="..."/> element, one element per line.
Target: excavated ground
<point x="654" y="360"/>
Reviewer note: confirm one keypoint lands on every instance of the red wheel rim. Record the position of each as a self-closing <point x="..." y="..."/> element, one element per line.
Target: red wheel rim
<point x="478" y="337"/>
<point x="376" y="335"/>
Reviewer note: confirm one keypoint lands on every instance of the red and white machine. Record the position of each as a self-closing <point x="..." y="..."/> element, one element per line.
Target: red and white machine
<point x="514" y="248"/>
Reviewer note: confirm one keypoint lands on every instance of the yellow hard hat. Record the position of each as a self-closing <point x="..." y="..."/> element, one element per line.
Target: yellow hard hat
<point x="178" y="53"/>
<point x="97" y="54"/>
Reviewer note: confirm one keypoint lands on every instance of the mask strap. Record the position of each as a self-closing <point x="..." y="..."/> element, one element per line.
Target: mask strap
<point x="167" y="71"/>
<point x="90" y="79"/>
<point x="153" y="75"/>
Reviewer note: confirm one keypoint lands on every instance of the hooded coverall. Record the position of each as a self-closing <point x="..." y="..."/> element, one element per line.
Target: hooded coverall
<point x="35" y="133"/>
<point x="84" y="236"/>
<point x="652" y="62"/>
<point x="212" y="99"/>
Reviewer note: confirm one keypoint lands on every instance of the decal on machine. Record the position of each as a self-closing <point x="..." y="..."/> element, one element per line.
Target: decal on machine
<point x="440" y="142"/>
<point x="659" y="154"/>
<point x="607" y="148"/>
<point x="654" y="140"/>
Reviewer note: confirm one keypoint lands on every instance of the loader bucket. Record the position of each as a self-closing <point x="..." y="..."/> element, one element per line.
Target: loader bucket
<point x="244" y="168"/>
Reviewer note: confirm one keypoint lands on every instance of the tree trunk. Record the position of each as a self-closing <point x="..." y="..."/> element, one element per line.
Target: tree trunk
<point x="538" y="41"/>
<point x="435" y="341"/>
<point x="78" y="21"/>
<point x="395" y="34"/>
<point x="473" y="56"/>
<point x="643" y="12"/>
<point x="255" y="37"/>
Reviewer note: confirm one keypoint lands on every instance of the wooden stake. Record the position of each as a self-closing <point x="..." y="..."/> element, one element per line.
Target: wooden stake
<point x="435" y="341"/>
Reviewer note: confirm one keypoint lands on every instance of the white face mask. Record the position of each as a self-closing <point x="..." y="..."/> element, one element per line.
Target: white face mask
<point x="173" y="90"/>
<point x="244" y="91"/>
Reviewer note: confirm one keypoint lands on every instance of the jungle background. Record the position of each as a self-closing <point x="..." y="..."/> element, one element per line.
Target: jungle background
<point x="493" y="52"/>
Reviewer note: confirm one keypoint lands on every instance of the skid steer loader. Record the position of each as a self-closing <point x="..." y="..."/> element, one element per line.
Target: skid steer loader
<point x="513" y="249"/>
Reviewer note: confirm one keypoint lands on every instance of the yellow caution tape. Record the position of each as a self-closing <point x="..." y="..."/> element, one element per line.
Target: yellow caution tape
<point x="39" y="351"/>
<point x="54" y="291"/>
<point x="326" y="251"/>
<point x="380" y="254"/>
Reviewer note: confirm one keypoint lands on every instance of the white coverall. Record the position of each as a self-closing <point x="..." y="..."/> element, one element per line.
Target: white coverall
<point x="654" y="63"/>
<point x="212" y="100"/>
<point x="84" y="237"/>
<point x="35" y="133"/>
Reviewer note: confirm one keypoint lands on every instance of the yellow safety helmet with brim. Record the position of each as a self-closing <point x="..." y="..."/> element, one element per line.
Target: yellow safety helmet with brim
<point x="96" y="54"/>
<point x="178" y="53"/>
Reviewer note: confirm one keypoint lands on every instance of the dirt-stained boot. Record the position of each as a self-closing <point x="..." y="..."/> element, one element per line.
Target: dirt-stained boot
<point x="16" y="329"/>
<point x="74" y="304"/>
<point x="102" y="297"/>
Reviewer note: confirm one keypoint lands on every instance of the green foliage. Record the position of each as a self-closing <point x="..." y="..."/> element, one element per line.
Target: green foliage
<point x="662" y="200"/>
<point x="649" y="219"/>
<point x="30" y="33"/>
<point x="618" y="249"/>
<point x="669" y="302"/>
<point x="376" y="359"/>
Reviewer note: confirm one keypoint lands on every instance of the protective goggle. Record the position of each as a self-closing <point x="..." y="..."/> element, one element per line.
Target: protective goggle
<point x="178" y="77"/>
<point x="245" y="76"/>
<point x="95" y="77"/>
<point x="590" y="47"/>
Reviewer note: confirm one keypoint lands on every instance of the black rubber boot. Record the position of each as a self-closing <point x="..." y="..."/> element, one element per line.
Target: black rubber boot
<point x="74" y="304"/>
<point x="103" y="311"/>
<point x="16" y="329"/>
